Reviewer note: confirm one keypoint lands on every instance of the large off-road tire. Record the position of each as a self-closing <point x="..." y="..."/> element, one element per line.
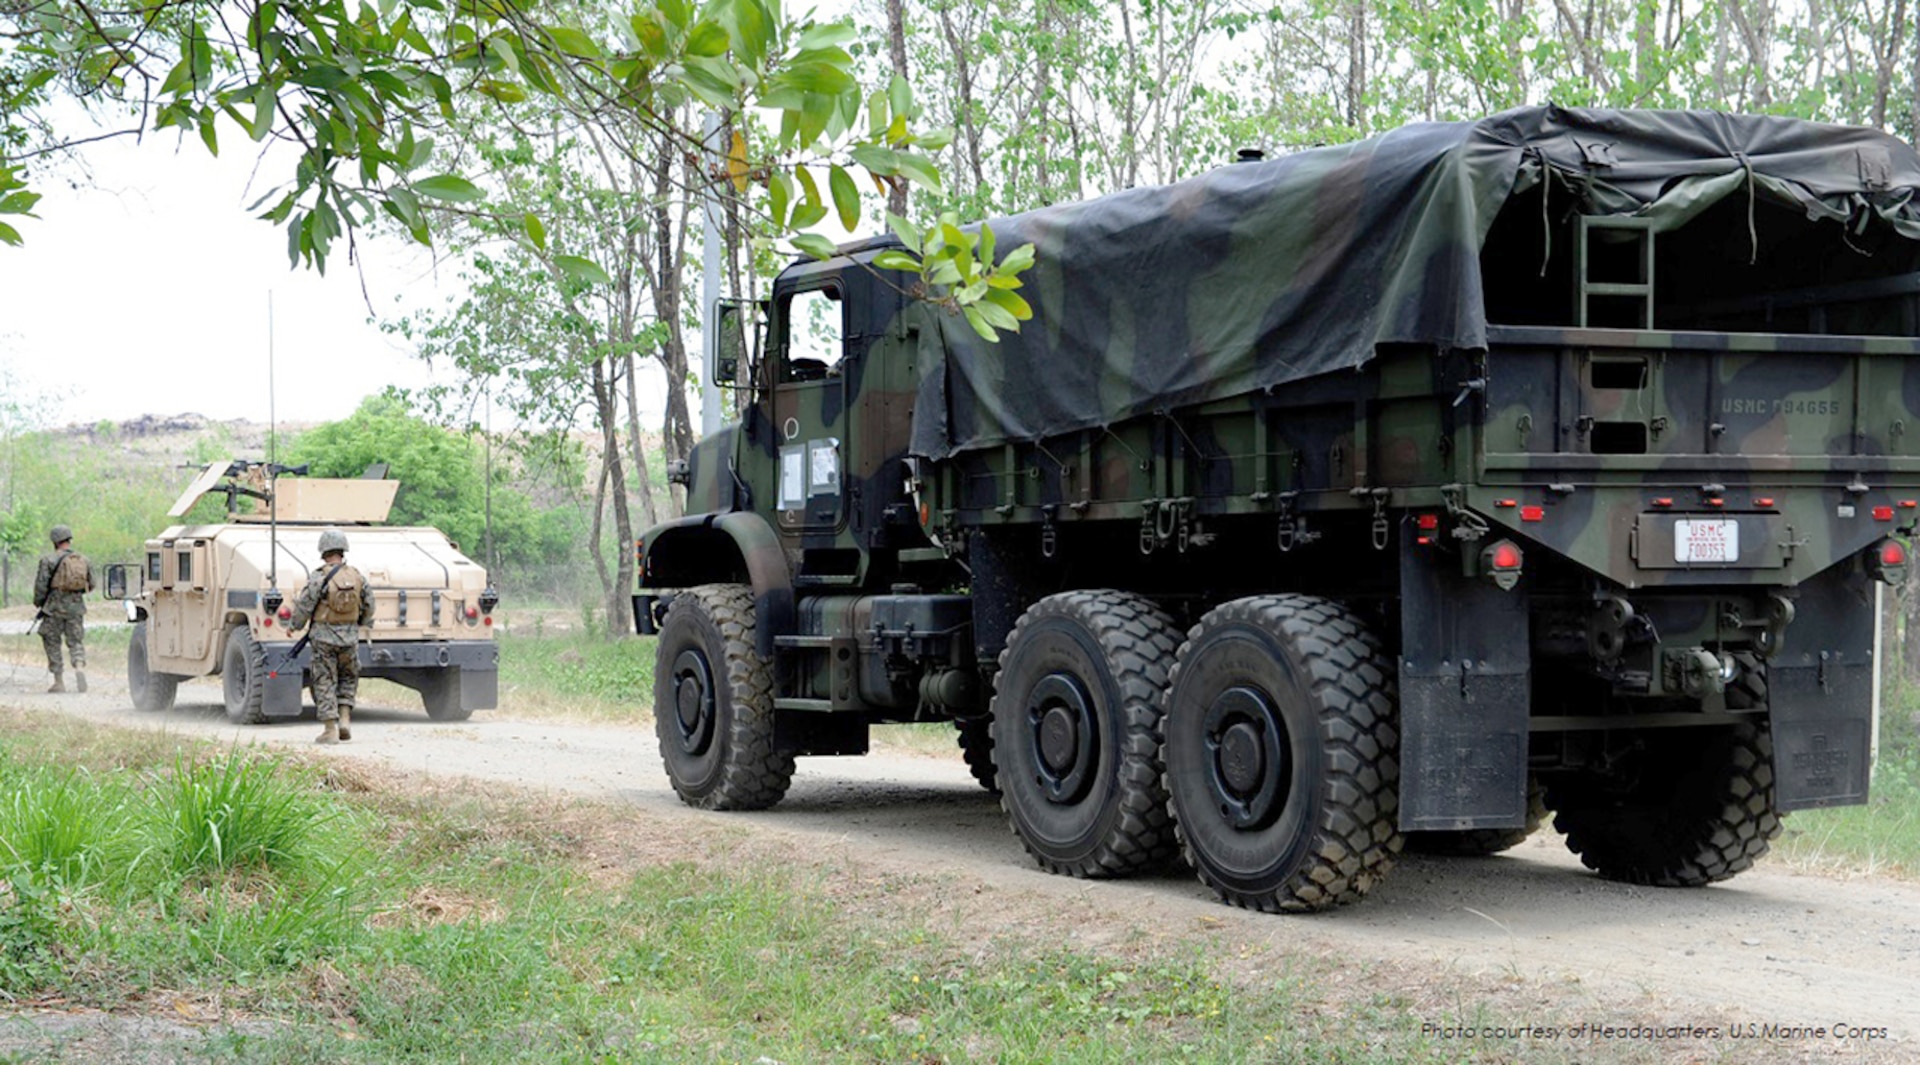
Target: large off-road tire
<point x="441" y="696"/>
<point x="1282" y="753"/>
<point x="713" y="703"/>
<point x="1076" y="733"/>
<point x="1691" y="807"/>
<point x="1482" y="842"/>
<point x="152" y="692"/>
<point x="243" y="677"/>
<point x="976" y="746"/>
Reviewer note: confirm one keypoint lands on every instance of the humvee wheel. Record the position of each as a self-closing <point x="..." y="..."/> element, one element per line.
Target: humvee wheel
<point x="152" y="692"/>
<point x="1686" y="810"/>
<point x="1282" y="753"/>
<point x="713" y="703"/>
<point x="243" y="677"/>
<point x="976" y="746"/>
<point x="1482" y="842"/>
<point x="1076" y="733"/>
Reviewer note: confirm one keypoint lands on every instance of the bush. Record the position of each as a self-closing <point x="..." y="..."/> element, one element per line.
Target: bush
<point x="231" y="814"/>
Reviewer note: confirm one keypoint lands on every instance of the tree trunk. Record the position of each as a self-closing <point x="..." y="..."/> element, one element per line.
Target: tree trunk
<point x="1357" y="66"/>
<point x="606" y="399"/>
<point x="897" y="50"/>
<point x="641" y="473"/>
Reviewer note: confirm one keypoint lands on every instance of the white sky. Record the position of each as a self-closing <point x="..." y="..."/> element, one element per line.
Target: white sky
<point x="143" y="289"/>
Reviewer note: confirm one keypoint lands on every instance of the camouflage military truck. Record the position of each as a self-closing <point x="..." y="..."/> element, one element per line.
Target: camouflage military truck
<point x="215" y="599"/>
<point x="1403" y="491"/>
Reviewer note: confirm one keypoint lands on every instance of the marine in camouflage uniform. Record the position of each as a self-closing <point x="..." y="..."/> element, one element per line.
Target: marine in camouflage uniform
<point x="63" y="613"/>
<point x="336" y="664"/>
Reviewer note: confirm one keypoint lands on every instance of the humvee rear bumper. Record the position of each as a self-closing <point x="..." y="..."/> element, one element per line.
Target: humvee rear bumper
<point x="475" y="664"/>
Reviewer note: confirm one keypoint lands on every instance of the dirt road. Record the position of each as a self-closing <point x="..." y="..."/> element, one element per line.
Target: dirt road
<point x="1532" y="933"/>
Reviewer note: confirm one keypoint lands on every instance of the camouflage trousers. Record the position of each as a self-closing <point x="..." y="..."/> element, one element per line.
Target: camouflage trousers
<point x="74" y="630"/>
<point x="336" y="678"/>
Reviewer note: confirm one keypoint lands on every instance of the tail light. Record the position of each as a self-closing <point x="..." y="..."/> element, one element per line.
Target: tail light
<point x="1887" y="562"/>
<point x="1502" y="560"/>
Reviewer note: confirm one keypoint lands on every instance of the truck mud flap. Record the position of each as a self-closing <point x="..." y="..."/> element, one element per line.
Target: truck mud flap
<point x="281" y="697"/>
<point x="1464" y="694"/>
<point x="1820" y="694"/>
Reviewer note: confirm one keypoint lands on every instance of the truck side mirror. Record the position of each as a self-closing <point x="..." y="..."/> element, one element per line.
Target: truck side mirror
<point x="729" y="345"/>
<point x="118" y="581"/>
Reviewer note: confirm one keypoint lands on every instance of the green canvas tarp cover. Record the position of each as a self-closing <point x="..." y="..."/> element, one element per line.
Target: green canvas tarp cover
<point x="1258" y="274"/>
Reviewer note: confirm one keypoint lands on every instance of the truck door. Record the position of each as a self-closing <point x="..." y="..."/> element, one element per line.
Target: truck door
<point x="810" y="427"/>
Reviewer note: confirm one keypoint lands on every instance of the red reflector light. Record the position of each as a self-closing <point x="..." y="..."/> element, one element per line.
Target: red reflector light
<point x="488" y="620"/>
<point x="473" y="612"/>
<point x="1663" y="501"/>
<point x="1892" y="554"/>
<point x="1506" y="502"/>
<point x="1910" y="503"/>
<point x="1423" y="540"/>
<point x="1763" y="501"/>
<point x="1533" y="513"/>
<point x="267" y="622"/>
<point x="926" y="513"/>
<point x="1883" y="514"/>
<point x="286" y="613"/>
<point x="1504" y="555"/>
<point x="1716" y="501"/>
<point x="1427" y="522"/>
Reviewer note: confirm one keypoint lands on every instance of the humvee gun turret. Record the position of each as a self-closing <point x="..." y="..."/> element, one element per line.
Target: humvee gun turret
<point x="1404" y="490"/>
<point x="216" y="598"/>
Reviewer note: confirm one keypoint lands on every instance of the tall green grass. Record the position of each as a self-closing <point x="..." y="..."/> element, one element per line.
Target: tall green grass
<point x="231" y="813"/>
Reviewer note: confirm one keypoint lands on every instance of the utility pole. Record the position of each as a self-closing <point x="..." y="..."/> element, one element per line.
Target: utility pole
<point x="712" y="231"/>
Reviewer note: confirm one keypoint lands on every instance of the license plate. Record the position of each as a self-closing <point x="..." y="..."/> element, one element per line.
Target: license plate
<point x="1706" y="540"/>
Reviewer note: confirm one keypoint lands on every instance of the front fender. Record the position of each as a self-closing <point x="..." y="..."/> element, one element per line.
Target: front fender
<point x="732" y="548"/>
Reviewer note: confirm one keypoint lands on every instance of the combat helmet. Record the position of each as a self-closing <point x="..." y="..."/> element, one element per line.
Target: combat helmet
<point x="332" y="540"/>
<point x="59" y="534"/>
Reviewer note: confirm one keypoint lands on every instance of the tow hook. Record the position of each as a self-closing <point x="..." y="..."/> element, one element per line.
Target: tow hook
<point x="1699" y="672"/>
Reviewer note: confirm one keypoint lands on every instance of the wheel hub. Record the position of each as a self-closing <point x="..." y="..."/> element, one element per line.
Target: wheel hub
<point x="693" y="700"/>
<point x="1248" y="764"/>
<point x="1060" y="715"/>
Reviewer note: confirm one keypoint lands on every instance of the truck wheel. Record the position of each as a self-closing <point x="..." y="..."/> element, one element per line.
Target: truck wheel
<point x="1282" y="753"/>
<point x="243" y="676"/>
<point x="713" y="703"/>
<point x="1076" y="733"/>
<point x="976" y="746"/>
<point x="1686" y="810"/>
<point x="152" y="692"/>
<point x="1481" y="842"/>
<point x="441" y="696"/>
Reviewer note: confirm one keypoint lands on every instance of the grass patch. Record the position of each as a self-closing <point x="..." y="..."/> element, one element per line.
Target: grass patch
<point x="578" y="675"/>
<point x="400" y="927"/>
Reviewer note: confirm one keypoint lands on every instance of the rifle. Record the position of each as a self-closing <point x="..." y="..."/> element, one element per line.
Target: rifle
<point x="38" y="617"/>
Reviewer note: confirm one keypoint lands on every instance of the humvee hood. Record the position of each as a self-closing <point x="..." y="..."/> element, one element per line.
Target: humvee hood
<point x="1258" y="274"/>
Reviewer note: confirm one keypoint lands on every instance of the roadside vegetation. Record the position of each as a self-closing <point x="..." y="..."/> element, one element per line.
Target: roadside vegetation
<point x="321" y="916"/>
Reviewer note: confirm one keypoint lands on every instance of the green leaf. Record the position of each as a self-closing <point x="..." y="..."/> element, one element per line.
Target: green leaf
<point x="264" y="98"/>
<point x="808" y="186"/>
<point x="536" y="230"/>
<point x="900" y="96"/>
<point x="815" y="245"/>
<point x="997" y="316"/>
<point x="919" y="169"/>
<point x="573" y="42"/>
<point x="979" y="323"/>
<point x="1008" y="301"/>
<point x="750" y="28"/>
<point x="908" y="233"/>
<point x="779" y="195"/>
<point x="9" y="235"/>
<point x="985" y="252"/>
<point x="449" y="187"/>
<point x="884" y="161"/>
<point x="846" y="198"/>
<point x="582" y="270"/>
<point x="807" y="215"/>
<point x="935" y="140"/>
<point x="506" y="92"/>
<point x="897" y="260"/>
<point x="208" y="136"/>
<point x="828" y="35"/>
<point x="1017" y="260"/>
<point x="708" y="39"/>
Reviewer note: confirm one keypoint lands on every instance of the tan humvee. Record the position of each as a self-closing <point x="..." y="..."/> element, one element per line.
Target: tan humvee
<point x="215" y="599"/>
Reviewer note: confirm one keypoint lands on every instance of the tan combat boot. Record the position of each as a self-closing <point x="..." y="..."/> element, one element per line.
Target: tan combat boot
<point x="59" y="684"/>
<point x="346" y="723"/>
<point x="330" y="734"/>
<point x="79" y="681"/>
